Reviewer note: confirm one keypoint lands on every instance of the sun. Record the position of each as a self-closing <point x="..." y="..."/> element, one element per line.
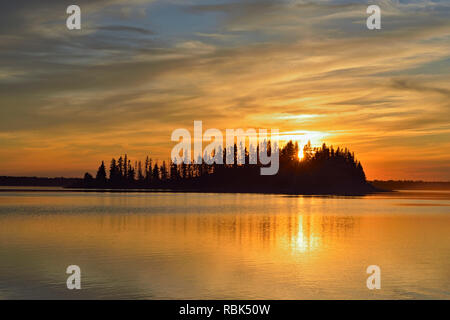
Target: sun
<point x="300" y="155"/>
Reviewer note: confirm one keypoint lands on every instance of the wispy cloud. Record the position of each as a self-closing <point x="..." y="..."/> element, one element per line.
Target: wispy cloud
<point x="136" y="72"/>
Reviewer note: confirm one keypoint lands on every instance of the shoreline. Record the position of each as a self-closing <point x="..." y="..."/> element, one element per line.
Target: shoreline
<point x="103" y="190"/>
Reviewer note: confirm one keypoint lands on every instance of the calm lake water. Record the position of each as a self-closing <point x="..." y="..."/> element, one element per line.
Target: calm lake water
<point x="224" y="246"/>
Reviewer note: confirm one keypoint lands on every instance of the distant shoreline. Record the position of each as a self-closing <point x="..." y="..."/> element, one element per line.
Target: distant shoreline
<point x="38" y="184"/>
<point x="99" y="190"/>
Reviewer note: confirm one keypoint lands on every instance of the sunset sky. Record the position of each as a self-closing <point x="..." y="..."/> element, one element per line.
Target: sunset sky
<point x="137" y="70"/>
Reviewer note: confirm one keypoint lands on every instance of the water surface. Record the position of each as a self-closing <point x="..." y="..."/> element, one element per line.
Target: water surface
<point x="224" y="246"/>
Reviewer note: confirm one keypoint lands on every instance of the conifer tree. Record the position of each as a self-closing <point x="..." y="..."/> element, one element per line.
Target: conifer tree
<point x="101" y="174"/>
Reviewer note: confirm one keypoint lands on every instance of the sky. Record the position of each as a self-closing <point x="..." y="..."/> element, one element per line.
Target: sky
<point x="137" y="70"/>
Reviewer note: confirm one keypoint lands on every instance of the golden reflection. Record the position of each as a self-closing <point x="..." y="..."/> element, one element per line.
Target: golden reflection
<point x="225" y="233"/>
<point x="241" y="247"/>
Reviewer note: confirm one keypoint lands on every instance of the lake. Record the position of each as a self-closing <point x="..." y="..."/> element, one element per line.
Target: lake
<point x="223" y="246"/>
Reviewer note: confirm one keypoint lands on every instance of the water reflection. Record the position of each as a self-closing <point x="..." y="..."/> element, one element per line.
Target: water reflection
<point x="220" y="246"/>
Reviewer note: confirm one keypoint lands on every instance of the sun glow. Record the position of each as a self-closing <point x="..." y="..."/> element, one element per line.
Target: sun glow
<point x="316" y="138"/>
<point x="302" y="137"/>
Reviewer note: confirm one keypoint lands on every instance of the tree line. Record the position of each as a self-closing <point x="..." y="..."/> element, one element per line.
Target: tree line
<point x="320" y="170"/>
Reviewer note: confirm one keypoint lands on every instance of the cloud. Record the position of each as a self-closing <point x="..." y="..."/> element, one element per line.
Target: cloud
<point x="127" y="80"/>
<point x="406" y="84"/>
<point x="118" y="28"/>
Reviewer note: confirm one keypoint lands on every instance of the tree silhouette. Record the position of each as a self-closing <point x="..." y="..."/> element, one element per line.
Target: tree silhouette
<point x="101" y="174"/>
<point x="140" y="174"/>
<point x="114" y="173"/>
<point x="164" y="174"/>
<point x="320" y="170"/>
<point x="155" y="174"/>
